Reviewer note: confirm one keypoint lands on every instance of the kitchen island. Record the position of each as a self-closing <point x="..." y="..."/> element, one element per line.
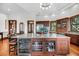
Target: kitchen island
<point x="42" y="44"/>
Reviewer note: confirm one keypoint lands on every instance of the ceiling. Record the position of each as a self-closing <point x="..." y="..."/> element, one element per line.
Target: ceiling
<point x="33" y="10"/>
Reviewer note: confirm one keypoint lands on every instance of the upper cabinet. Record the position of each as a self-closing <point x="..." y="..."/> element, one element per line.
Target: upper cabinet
<point x="12" y="26"/>
<point x="53" y="26"/>
<point x="62" y="25"/>
<point x="74" y="23"/>
<point x="42" y="26"/>
<point x="30" y="24"/>
<point x="21" y="28"/>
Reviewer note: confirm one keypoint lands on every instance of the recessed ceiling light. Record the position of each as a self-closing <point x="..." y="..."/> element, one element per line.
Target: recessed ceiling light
<point x="53" y="15"/>
<point x="9" y="9"/>
<point x="63" y="12"/>
<point x="46" y="16"/>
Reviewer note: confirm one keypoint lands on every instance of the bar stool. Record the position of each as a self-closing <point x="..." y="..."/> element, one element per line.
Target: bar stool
<point x="12" y="46"/>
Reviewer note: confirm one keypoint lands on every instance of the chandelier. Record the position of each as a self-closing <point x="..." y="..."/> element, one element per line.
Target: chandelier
<point x="45" y="6"/>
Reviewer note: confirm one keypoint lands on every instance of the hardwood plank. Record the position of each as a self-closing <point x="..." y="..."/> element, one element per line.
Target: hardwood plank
<point x="74" y="50"/>
<point x="4" y="50"/>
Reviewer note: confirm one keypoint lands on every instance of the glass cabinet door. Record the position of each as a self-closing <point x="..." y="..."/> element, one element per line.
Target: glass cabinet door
<point x="77" y="20"/>
<point x="75" y="24"/>
<point x="12" y="27"/>
<point x="30" y="26"/>
<point x="21" y="28"/>
<point x="50" y="46"/>
<point x="37" y="46"/>
<point x="53" y="26"/>
<point x="73" y="28"/>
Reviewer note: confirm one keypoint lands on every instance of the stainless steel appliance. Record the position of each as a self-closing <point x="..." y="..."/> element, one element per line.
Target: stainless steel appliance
<point x="23" y="47"/>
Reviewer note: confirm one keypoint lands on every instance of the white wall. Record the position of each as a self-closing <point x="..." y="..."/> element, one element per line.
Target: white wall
<point x="3" y="17"/>
<point x="19" y="18"/>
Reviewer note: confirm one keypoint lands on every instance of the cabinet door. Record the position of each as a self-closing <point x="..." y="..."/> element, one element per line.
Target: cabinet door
<point x="37" y="47"/>
<point x="30" y="26"/>
<point x="63" y="46"/>
<point x="77" y="42"/>
<point x="21" y="28"/>
<point x="49" y="47"/>
<point x="73" y="39"/>
<point x="23" y="46"/>
<point x="12" y="27"/>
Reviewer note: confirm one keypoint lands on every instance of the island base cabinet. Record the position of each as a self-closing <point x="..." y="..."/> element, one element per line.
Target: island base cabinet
<point x="63" y="45"/>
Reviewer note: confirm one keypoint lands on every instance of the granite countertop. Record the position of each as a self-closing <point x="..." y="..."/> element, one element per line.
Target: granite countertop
<point x="75" y="33"/>
<point x="40" y="36"/>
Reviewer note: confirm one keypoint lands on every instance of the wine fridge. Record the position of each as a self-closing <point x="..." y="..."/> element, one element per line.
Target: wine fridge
<point x="23" y="47"/>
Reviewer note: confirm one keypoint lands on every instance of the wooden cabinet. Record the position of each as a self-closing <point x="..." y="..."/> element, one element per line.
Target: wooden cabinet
<point x="21" y="28"/>
<point x="74" y="38"/>
<point x="45" y="23"/>
<point x="53" y="26"/>
<point x="12" y="27"/>
<point x="42" y="27"/>
<point x="63" y="45"/>
<point x="62" y="25"/>
<point x="37" y="47"/>
<point x="30" y="24"/>
<point x="43" y="47"/>
<point x="74" y="21"/>
<point x="50" y="47"/>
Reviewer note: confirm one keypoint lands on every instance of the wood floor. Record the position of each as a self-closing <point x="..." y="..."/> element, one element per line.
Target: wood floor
<point x="74" y="50"/>
<point x="4" y="49"/>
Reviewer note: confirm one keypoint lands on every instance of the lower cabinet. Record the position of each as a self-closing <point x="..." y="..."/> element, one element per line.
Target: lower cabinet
<point x="49" y="47"/>
<point x="63" y="45"/>
<point x="43" y="46"/>
<point x="74" y="38"/>
<point x="37" y="47"/>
